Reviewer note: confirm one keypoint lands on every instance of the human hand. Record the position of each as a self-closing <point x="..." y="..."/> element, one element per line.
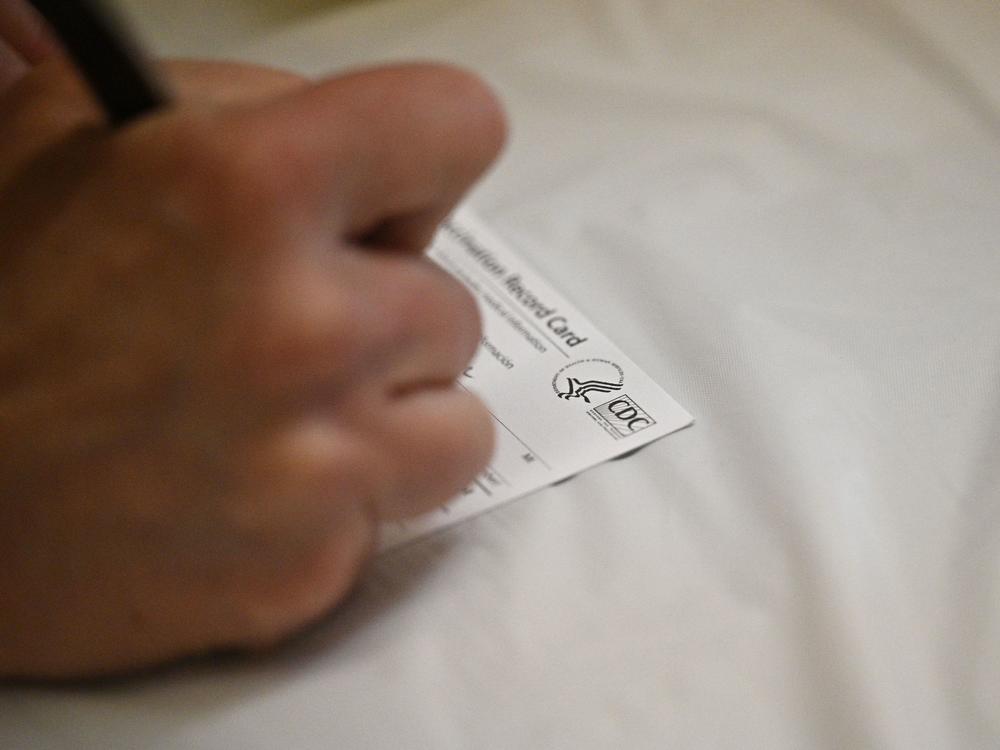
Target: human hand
<point x="223" y="358"/>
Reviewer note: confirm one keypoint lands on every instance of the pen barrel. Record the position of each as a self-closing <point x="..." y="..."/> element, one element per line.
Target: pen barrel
<point x="111" y="64"/>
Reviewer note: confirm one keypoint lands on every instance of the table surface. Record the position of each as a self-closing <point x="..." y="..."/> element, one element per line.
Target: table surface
<point x="789" y="214"/>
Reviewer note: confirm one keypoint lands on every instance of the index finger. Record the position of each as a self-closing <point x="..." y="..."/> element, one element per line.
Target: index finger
<point x="398" y="147"/>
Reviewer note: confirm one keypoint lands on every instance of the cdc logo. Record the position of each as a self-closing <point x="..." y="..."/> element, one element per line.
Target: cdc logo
<point x="621" y="417"/>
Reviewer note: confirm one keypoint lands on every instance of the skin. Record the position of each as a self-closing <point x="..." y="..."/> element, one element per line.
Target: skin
<point x="223" y="357"/>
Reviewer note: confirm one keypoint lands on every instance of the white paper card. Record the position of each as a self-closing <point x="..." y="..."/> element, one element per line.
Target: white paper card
<point x="563" y="396"/>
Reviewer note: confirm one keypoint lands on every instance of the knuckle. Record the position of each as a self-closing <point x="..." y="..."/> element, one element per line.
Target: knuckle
<point x="304" y="332"/>
<point x="227" y="176"/>
<point x="472" y="104"/>
<point x="293" y="320"/>
<point x="311" y="536"/>
<point x="465" y="325"/>
<point x="441" y="308"/>
<point x="456" y="444"/>
<point x="194" y="145"/>
<point x="467" y="87"/>
<point x="421" y="300"/>
<point x="319" y="579"/>
<point x="468" y="311"/>
<point x="480" y="434"/>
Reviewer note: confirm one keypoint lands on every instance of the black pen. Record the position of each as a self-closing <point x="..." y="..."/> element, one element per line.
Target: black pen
<point x="105" y="56"/>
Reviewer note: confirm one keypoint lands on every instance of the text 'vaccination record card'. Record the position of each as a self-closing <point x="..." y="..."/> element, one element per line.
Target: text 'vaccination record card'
<point x="564" y="398"/>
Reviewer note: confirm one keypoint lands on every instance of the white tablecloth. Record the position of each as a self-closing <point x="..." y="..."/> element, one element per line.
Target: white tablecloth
<point x="789" y="214"/>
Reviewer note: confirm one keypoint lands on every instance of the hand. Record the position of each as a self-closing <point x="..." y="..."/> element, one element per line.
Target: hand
<point x="223" y="357"/>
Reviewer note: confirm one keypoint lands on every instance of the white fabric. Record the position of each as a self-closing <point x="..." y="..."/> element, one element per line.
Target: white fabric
<point x="788" y="213"/>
